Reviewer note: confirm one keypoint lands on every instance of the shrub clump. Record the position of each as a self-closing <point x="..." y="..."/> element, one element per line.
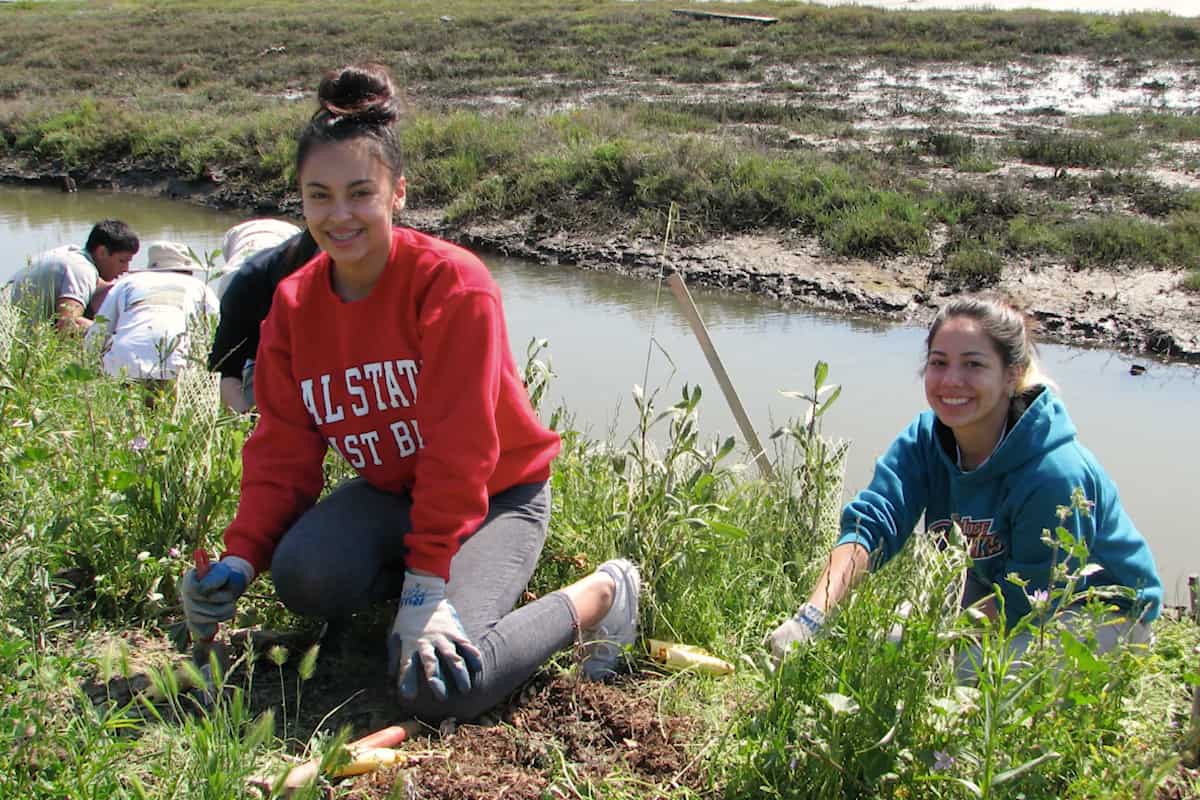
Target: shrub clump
<point x="1069" y="150"/>
<point x="974" y="264"/>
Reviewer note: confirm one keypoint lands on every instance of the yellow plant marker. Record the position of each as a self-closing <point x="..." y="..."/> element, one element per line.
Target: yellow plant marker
<point x="369" y="760"/>
<point x="686" y="656"/>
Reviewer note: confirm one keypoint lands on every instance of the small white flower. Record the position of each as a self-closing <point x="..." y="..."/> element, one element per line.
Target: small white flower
<point x="142" y="556"/>
<point x="155" y="596"/>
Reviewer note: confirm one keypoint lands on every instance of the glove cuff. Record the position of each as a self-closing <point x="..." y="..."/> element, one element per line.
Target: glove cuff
<point x="422" y="591"/>
<point x="810" y="617"/>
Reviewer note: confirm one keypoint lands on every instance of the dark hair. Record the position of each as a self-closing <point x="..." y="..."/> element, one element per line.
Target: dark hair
<point x="298" y="251"/>
<point x="114" y="235"/>
<point x="1006" y="326"/>
<point x="356" y="100"/>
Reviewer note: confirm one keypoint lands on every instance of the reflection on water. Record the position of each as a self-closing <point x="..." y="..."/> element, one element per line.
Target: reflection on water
<point x="601" y="327"/>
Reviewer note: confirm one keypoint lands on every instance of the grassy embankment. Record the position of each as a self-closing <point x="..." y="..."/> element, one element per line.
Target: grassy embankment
<point x="102" y="498"/>
<point x="87" y="90"/>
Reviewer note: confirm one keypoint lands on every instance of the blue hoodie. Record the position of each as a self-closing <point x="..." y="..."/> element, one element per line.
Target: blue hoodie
<point x="1003" y="506"/>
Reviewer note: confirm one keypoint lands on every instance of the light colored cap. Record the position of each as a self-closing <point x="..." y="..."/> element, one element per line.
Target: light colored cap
<point x="171" y="255"/>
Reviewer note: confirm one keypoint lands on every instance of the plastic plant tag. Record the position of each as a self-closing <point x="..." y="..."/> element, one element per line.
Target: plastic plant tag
<point x="686" y="656"/>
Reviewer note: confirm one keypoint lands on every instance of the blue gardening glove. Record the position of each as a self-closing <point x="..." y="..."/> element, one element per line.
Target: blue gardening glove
<point x="213" y="598"/>
<point x="797" y="630"/>
<point x="427" y="637"/>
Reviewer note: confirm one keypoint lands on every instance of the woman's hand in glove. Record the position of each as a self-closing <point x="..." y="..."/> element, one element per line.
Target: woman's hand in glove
<point x="426" y="637"/>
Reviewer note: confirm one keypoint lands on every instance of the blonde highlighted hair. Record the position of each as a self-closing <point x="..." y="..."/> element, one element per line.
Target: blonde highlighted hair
<point x="1008" y="328"/>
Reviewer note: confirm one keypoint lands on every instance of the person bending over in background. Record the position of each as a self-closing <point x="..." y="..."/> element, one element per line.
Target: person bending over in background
<point x="996" y="454"/>
<point x="141" y="327"/>
<point x="244" y="305"/>
<point x="60" y="284"/>
<point x="244" y="240"/>
<point x="391" y="346"/>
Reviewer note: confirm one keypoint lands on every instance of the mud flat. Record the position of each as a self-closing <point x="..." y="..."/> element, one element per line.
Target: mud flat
<point x="1031" y="173"/>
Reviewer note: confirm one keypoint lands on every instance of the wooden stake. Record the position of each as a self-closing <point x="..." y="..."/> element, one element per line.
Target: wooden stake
<point x="1193" y="583"/>
<point x="1191" y="757"/>
<point x="688" y="306"/>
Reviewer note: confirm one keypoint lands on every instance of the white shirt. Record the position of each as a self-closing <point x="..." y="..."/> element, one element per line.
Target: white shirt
<point x="247" y="238"/>
<point x="142" y="326"/>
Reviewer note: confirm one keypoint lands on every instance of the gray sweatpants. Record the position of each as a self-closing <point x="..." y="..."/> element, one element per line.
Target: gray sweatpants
<point x="347" y="554"/>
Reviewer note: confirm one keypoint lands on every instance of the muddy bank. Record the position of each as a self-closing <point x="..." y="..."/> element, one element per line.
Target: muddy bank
<point x="1136" y="311"/>
<point x="1139" y="311"/>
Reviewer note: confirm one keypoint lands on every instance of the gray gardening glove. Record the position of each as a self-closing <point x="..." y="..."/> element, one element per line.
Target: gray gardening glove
<point x="212" y="599"/>
<point x="797" y="630"/>
<point x="427" y="636"/>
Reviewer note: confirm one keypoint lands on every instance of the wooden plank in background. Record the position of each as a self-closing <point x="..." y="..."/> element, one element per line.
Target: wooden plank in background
<point x="688" y="12"/>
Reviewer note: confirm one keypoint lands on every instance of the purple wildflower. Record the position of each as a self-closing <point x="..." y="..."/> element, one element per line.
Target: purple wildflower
<point x="138" y="443"/>
<point x="173" y="552"/>
<point x="942" y="761"/>
<point x="1040" y="596"/>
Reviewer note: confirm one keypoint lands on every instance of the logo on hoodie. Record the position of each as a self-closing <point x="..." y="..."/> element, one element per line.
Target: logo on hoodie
<point x="982" y="541"/>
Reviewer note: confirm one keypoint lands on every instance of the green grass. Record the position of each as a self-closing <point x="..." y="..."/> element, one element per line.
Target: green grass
<point x="87" y="93"/>
<point x="101" y="47"/>
<point x="1152" y="125"/>
<point x="1064" y="150"/>
<point x="1146" y="195"/>
<point x="96" y="483"/>
<point x="974" y="264"/>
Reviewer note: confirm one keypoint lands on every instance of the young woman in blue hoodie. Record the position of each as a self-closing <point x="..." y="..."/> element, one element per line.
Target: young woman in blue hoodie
<point x="997" y="454"/>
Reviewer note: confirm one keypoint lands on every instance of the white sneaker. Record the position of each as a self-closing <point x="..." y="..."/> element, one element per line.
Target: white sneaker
<point x="604" y="644"/>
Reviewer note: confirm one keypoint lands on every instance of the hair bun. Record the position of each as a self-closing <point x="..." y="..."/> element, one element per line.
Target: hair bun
<point x="361" y="93"/>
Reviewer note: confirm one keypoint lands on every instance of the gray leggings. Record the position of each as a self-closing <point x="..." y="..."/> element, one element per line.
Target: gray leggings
<point x="347" y="553"/>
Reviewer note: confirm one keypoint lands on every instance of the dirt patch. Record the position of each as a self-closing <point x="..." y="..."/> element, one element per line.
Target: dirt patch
<point x="560" y="731"/>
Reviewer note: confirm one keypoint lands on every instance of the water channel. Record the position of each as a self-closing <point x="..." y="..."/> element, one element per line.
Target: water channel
<point x="1145" y="429"/>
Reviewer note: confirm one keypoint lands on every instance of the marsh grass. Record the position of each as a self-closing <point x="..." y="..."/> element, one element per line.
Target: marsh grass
<point x="226" y="116"/>
<point x="1147" y="125"/>
<point x="725" y="556"/>
<point x="1070" y="150"/>
<point x="99" y="48"/>
<point x="1145" y="194"/>
<point x="974" y="264"/>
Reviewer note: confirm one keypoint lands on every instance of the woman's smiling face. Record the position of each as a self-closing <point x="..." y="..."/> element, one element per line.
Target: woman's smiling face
<point x="966" y="383"/>
<point x="349" y="196"/>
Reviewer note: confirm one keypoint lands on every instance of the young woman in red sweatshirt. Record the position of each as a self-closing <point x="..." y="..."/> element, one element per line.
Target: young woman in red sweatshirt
<point x="390" y="347"/>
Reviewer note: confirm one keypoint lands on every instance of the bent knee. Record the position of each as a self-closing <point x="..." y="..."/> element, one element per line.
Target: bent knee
<point x="304" y="587"/>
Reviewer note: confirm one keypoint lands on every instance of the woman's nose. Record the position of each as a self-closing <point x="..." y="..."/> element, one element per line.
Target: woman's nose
<point x="340" y="209"/>
<point x="953" y="376"/>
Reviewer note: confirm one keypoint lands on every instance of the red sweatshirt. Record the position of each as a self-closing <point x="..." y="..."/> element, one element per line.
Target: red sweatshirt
<point x="414" y="385"/>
